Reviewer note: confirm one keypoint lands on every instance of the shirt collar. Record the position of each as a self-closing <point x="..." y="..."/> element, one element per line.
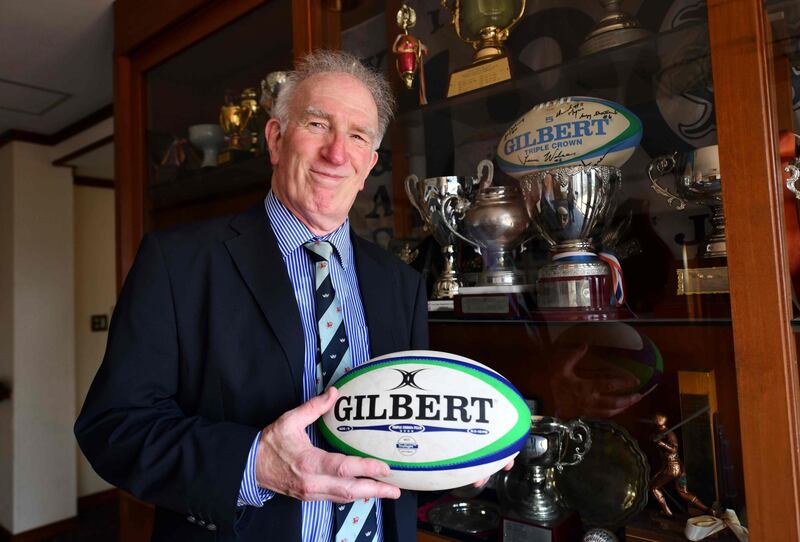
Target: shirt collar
<point x="291" y="233"/>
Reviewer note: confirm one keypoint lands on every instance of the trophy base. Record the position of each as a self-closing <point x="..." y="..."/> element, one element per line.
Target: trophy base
<point x="611" y="36"/>
<point x="232" y="156"/>
<point x="702" y="280"/>
<point x="715" y="248"/>
<point x="567" y="529"/>
<point x="440" y="305"/>
<point x="585" y="286"/>
<point x="498" y="301"/>
<point x="699" y="290"/>
<point x="479" y="75"/>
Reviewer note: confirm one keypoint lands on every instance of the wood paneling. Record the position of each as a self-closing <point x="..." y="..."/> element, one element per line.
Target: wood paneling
<point x="764" y="346"/>
<point x="137" y="21"/>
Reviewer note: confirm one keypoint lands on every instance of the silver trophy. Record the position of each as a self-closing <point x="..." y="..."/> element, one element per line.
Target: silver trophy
<point x="270" y="88"/>
<point x="528" y="491"/>
<point x="495" y="222"/>
<point x="427" y="196"/>
<point x="614" y="29"/>
<point x="697" y="180"/>
<point x="569" y="205"/>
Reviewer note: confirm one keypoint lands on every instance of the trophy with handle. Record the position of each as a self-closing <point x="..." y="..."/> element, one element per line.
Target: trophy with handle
<point x="495" y="222"/>
<point x="427" y="196"/>
<point x="484" y="24"/>
<point x="697" y="180"/>
<point x="570" y="205"/>
<point x="528" y="491"/>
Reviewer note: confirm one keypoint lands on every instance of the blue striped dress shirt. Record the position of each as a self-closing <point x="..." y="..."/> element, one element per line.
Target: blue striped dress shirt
<point x="291" y="234"/>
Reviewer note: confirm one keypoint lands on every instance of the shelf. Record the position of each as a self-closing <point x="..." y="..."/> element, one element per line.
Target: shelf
<point x="208" y="183"/>
<point x="636" y="75"/>
<point x="450" y="318"/>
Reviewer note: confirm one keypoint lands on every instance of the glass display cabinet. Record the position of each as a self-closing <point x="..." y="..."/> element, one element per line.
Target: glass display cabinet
<point x="646" y="288"/>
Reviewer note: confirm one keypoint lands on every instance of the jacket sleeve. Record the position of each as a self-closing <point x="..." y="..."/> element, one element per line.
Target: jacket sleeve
<point x="131" y="427"/>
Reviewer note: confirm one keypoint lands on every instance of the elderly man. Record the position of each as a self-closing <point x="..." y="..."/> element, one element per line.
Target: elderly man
<point x="219" y="356"/>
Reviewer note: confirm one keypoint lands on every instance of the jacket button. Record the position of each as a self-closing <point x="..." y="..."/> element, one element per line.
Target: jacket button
<point x="201" y="523"/>
<point x="191" y="519"/>
<point x="211" y="527"/>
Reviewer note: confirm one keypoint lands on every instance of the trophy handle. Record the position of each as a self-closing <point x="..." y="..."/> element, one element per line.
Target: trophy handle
<point x="794" y="175"/>
<point x="410" y="185"/>
<point x="579" y="432"/>
<point x="451" y="211"/>
<point x="485" y="164"/>
<point x="659" y="167"/>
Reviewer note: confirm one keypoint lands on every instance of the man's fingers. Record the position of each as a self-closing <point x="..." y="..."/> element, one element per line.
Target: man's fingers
<point x="361" y="488"/>
<point x="345" y="466"/>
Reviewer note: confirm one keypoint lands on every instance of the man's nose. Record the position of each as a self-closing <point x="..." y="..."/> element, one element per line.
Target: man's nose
<point x="335" y="151"/>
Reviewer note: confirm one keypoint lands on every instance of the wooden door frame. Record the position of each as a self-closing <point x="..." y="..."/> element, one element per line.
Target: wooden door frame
<point x="766" y="361"/>
<point x="314" y="26"/>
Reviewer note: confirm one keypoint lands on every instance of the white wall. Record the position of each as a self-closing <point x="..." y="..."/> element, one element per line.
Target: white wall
<point x="6" y="330"/>
<point x="95" y="293"/>
<point x="44" y="477"/>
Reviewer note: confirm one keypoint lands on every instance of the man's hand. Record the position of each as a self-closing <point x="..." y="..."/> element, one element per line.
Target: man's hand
<point x="480" y="483"/>
<point x="289" y="464"/>
<point x="600" y="393"/>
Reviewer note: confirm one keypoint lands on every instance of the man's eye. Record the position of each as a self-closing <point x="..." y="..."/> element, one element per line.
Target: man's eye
<point x="359" y="138"/>
<point x="317" y="125"/>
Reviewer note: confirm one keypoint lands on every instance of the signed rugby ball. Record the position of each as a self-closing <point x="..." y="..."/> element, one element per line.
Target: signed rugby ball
<point x="576" y="130"/>
<point x="438" y="420"/>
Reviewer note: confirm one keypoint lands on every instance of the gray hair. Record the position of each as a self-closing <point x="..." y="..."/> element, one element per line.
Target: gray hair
<point x="326" y="61"/>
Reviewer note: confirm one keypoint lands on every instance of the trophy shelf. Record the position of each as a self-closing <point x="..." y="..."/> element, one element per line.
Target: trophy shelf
<point x="205" y="184"/>
<point x="624" y="74"/>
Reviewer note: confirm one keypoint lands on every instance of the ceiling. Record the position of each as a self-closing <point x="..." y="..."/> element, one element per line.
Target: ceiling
<point x="55" y="62"/>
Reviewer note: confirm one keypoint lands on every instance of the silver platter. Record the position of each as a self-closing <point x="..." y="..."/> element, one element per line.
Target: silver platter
<point x="468" y="517"/>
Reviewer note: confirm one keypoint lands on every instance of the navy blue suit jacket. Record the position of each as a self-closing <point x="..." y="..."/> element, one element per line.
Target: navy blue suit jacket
<point x="205" y="349"/>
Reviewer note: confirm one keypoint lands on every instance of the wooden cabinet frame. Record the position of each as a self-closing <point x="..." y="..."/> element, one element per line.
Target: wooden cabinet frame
<point x="764" y="342"/>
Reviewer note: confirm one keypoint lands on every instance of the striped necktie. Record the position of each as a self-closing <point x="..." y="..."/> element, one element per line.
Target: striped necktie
<point x="334" y="357"/>
<point x="353" y="522"/>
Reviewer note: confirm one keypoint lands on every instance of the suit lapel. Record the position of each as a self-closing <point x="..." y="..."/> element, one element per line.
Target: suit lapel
<point x="257" y="256"/>
<point x="375" y="283"/>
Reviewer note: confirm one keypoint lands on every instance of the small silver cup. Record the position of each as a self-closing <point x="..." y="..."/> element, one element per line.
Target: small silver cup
<point x="697" y="180"/>
<point x="529" y="489"/>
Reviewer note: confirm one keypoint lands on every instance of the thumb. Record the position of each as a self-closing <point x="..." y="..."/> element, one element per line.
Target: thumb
<point x="311" y="410"/>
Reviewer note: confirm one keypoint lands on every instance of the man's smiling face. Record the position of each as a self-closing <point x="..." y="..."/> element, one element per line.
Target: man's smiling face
<point x="322" y="157"/>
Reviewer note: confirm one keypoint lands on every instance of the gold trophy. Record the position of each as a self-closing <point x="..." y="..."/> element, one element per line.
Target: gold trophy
<point x="484" y="24"/>
<point x="254" y="119"/>
<point x="233" y="118"/>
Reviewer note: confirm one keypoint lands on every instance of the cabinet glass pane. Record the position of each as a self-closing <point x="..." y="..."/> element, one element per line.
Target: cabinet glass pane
<point x="668" y="348"/>
<point x="784" y="29"/>
<point x="196" y="154"/>
<point x="667" y="234"/>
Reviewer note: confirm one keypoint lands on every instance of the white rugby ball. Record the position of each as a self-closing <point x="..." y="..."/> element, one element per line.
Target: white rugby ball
<point x="569" y="131"/>
<point x="438" y="420"/>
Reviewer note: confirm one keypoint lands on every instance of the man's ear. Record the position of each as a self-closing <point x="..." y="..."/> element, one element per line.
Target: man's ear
<point x="371" y="165"/>
<point x="273" y="135"/>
